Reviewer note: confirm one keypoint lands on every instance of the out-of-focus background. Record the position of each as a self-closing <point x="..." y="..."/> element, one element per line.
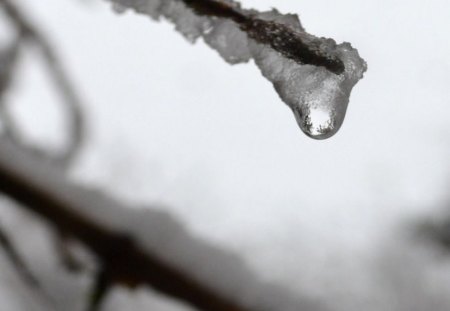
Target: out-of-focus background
<point x="171" y="122"/>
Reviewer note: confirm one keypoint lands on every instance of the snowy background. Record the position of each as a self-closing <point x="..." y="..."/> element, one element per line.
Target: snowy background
<point x="173" y="123"/>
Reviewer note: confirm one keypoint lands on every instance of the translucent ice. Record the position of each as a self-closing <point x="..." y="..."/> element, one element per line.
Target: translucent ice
<point x="317" y="95"/>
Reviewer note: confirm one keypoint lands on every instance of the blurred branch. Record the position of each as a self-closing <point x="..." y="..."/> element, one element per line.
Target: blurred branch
<point x="28" y="33"/>
<point x="28" y="182"/>
<point x="22" y="269"/>
<point x="64" y="250"/>
<point x="8" y="61"/>
<point x="102" y="285"/>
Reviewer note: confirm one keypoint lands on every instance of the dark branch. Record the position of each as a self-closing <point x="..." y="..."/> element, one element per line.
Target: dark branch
<point x="8" y="61"/>
<point x="30" y="34"/>
<point x="22" y="268"/>
<point x="101" y="287"/>
<point x="292" y="44"/>
<point x="8" y="246"/>
<point x="126" y="263"/>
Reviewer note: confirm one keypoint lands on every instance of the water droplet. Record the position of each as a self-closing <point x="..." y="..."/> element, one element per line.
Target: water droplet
<point x="317" y="123"/>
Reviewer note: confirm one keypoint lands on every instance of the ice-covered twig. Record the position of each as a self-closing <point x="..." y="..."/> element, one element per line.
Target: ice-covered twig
<point x="102" y="285"/>
<point x="28" y="33"/>
<point x="8" y="61"/>
<point x="313" y="76"/>
<point x="292" y="44"/>
<point x="136" y="246"/>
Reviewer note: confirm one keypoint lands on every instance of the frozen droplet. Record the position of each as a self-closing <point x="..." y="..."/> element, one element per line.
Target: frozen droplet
<point x="316" y="123"/>
<point x="321" y="104"/>
<point x="318" y="97"/>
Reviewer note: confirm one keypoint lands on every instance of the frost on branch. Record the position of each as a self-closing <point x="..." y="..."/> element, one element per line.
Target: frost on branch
<point x="313" y="76"/>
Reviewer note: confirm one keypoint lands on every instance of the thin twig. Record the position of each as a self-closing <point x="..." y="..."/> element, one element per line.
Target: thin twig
<point x="8" y="63"/>
<point x="125" y="261"/>
<point x="22" y="268"/>
<point x="64" y="86"/>
<point x="102" y="285"/>
<point x="8" y="246"/>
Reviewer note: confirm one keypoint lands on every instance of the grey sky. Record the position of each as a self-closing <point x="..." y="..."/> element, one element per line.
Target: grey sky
<point x="174" y="123"/>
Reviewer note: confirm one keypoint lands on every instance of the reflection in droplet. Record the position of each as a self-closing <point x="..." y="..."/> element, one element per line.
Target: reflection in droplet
<point x="316" y="123"/>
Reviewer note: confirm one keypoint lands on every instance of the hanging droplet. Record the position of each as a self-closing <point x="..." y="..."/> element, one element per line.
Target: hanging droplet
<point x="317" y="96"/>
<point x="320" y="109"/>
<point x="317" y="123"/>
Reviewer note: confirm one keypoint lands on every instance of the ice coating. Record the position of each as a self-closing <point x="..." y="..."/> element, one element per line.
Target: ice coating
<point x="317" y="96"/>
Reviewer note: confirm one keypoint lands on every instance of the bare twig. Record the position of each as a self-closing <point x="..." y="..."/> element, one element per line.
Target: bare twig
<point x="63" y="248"/>
<point x="126" y="263"/>
<point x="22" y="268"/>
<point x="101" y="287"/>
<point x="8" y="246"/>
<point x="8" y="62"/>
<point x="29" y="33"/>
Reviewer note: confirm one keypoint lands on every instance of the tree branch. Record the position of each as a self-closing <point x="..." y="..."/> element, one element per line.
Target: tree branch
<point x="22" y="268"/>
<point x="130" y="265"/>
<point x="28" y="33"/>
<point x="85" y="214"/>
<point x="8" y="246"/>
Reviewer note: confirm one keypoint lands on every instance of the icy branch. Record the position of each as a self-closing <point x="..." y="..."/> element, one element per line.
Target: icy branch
<point x="313" y="76"/>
